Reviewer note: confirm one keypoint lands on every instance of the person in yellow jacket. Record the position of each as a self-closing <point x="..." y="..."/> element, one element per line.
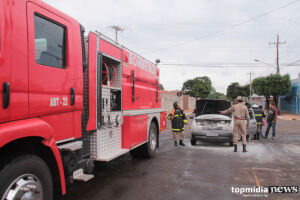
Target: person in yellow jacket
<point x="178" y="120"/>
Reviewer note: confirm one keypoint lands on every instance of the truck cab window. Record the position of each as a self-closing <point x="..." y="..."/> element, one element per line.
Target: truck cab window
<point x="50" y="45"/>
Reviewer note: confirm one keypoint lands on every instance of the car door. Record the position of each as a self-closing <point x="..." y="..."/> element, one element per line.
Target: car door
<point x="51" y="70"/>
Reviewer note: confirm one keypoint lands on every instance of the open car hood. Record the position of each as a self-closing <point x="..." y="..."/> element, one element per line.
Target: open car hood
<point x="211" y="106"/>
<point x="213" y="117"/>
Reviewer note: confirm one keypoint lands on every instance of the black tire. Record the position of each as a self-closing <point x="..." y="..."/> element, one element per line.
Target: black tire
<point x="31" y="170"/>
<point x="231" y="143"/>
<point x="193" y="142"/>
<point x="148" y="149"/>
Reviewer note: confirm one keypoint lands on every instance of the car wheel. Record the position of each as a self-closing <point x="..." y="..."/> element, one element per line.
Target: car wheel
<point x="147" y="150"/>
<point x="193" y="142"/>
<point x="26" y="177"/>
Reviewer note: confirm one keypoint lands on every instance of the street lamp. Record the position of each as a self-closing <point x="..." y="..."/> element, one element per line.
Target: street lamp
<point x="157" y="61"/>
<point x="265" y="63"/>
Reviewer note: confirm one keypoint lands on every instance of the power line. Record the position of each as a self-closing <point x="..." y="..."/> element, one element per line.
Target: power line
<point x="227" y="28"/>
<point x="208" y="66"/>
<point x="220" y="65"/>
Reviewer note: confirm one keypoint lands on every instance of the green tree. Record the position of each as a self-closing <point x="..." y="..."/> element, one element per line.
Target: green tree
<point x="234" y="90"/>
<point x="197" y="87"/>
<point x="161" y="87"/>
<point x="216" y="95"/>
<point x="273" y="85"/>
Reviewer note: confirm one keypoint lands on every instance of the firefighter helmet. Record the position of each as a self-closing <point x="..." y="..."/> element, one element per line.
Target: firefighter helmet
<point x="175" y="104"/>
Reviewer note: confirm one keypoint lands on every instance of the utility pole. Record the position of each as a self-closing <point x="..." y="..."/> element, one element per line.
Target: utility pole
<point x="117" y="30"/>
<point x="277" y="43"/>
<point x="250" y="87"/>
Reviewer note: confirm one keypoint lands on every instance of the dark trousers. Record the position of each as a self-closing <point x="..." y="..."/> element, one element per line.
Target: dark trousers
<point x="273" y="125"/>
<point x="258" y="132"/>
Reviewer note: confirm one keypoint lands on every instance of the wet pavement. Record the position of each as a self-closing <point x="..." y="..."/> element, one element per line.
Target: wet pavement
<point x="204" y="171"/>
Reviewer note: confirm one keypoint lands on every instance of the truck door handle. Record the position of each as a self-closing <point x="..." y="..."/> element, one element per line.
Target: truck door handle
<point x="72" y="96"/>
<point x="133" y="83"/>
<point x="6" y="94"/>
<point x="156" y="90"/>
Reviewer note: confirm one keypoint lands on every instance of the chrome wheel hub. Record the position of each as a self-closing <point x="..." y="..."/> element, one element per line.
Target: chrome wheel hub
<point x="153" y="139"/>
<point x="25" y="187"/>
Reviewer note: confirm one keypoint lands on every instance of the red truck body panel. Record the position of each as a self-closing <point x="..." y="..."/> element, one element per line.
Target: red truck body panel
<point x="146" y="80"/>
<point x="92" y="82"/>
<point x="134" y="131"/>
<point x="163" y="121"/>
<point x="109" y="49"/>
<point x="13" y="60"/>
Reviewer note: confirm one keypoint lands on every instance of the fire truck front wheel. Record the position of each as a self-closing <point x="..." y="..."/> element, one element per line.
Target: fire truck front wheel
<point x="148" y="149"/>
<point x="26" y="177"/>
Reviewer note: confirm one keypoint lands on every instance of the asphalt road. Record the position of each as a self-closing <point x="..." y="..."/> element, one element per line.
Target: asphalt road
<point x="204" y="171"/>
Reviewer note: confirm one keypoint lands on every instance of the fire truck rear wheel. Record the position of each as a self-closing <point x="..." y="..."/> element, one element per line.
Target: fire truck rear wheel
<point x="26" y="177"/>
<point x="147" y="150"/>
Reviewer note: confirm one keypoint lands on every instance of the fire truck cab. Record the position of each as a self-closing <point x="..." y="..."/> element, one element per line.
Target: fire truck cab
<point x="67" y="100"/>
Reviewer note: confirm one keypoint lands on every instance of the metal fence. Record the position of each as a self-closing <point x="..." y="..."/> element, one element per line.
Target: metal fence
<point x="290" y="102"/>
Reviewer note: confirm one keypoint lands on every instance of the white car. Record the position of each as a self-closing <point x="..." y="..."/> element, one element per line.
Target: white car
<point x="210" y="125"/>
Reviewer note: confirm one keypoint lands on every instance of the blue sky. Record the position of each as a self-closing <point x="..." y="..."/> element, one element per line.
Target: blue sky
<point x="182" y="32"/>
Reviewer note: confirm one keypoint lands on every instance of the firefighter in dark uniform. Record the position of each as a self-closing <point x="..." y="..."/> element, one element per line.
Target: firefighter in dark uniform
<point x="259" y="115"/>
<point x="178" y="120"/>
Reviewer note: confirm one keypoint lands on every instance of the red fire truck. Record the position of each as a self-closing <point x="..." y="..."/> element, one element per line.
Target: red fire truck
<point x="67" y="100"/>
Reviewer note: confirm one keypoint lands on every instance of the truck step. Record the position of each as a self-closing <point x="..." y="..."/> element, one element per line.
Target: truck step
<point x="110" y="155"/>
<point x="80" y="176"/>
<point x="72" y="146"/>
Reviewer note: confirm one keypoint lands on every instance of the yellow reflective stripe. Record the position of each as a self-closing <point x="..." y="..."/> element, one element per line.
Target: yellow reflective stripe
<point x="185" y="121"/>
<point x="181" y="115"/>
<point x="174" y="129"/>
<point x="258" y="123"/>
<point x="258" y="115"/>
<point x="182" y="129"/>
<point x="176" y="115"/>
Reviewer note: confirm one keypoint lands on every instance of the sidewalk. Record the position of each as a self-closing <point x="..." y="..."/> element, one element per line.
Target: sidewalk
<point x="287" y="116"/>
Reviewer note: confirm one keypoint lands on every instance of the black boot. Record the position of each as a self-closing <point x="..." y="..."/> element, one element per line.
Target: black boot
<point x="181" y="143"/>
<point x="258" y="135"/>
<point x="175" y="143"/>
<point x="244" y="148"/>
<point x="235" y="148"/>
<point x="255" y="138"/>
